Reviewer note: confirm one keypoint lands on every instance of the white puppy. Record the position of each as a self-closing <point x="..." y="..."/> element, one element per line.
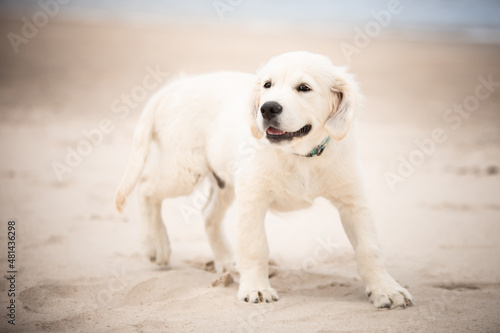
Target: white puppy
<point x="275" y="141"/>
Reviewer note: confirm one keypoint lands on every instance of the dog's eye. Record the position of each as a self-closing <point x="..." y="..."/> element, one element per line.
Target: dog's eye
<point x="303" y="87"/>
<point x="267" y="85"/>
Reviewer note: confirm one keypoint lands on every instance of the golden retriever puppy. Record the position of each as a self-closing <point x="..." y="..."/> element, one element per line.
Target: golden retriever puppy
<point x="272" y="141"/>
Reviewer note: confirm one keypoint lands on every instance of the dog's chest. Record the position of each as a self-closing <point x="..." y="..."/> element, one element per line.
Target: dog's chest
<point x="297" y="188"/>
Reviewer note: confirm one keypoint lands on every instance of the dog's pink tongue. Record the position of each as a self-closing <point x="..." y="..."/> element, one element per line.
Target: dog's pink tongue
<point x="275" y="131"/>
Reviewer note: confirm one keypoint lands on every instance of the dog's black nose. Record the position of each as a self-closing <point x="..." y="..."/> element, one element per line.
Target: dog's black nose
<point x="270" y="110"/>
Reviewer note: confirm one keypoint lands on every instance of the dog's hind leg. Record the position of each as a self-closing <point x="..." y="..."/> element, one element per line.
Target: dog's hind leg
<point x="221" y="197"/>
<point x="152" y="191"/>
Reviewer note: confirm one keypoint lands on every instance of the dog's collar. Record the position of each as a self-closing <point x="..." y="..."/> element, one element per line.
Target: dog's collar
<point x="318" y="150"/>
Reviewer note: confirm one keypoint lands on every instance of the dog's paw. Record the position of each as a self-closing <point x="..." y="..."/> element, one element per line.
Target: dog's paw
<point x="389" y="295"/>
<point x="158" y="250"/>
<point x="261" y="295"/>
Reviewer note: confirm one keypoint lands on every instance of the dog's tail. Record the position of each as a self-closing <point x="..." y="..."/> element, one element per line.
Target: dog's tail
<point x="140" y="148"/>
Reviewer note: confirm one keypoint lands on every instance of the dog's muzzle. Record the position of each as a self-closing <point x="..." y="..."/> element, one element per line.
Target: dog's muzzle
<point x="270" y="110"/>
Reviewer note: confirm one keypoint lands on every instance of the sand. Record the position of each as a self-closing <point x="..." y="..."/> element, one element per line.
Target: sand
<point x="79" y="263"/>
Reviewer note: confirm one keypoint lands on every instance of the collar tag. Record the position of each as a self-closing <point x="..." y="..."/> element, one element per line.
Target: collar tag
<point x="318" y="150"/>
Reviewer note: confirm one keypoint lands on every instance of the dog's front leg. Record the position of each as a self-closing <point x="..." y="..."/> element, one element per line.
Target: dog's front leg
<point x="252" y="251"/>
<point x="382" y="289"/>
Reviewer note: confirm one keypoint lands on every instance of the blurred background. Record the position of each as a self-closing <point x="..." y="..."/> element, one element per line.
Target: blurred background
<point x="471" y="17"/>
<point x="75" y="74"/>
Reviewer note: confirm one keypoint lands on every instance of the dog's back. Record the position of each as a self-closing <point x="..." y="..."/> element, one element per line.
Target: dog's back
<point x="181" y="118"/>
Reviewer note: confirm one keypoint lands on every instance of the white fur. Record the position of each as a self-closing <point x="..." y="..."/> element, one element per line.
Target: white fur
<point x="212" y="124"/>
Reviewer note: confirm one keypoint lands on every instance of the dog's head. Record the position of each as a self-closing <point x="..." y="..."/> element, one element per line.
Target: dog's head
<point x="301" y="98"/>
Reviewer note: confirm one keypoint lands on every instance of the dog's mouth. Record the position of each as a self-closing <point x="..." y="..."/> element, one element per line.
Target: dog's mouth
<point x="276" y="135"/>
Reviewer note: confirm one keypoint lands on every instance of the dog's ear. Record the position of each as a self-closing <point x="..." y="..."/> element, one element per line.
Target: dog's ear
<point x="346" y="98"/>
<point x="252" y="116"/>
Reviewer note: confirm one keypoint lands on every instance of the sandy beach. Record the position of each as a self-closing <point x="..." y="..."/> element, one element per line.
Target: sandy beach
<point x="432" y="171"/>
